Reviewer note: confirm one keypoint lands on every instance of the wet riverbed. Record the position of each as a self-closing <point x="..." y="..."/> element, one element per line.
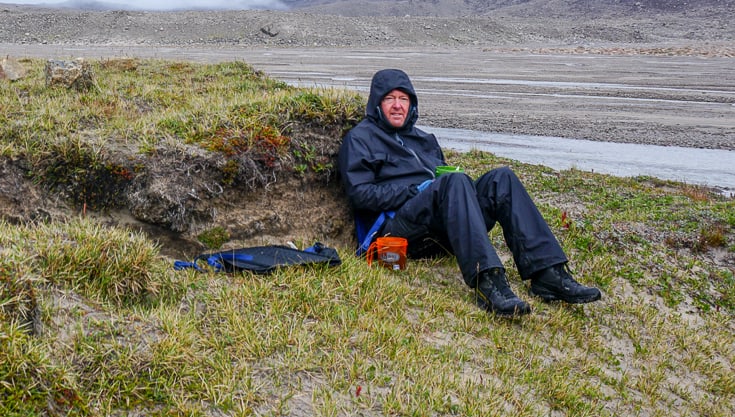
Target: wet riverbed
<point x="710" y="167"/>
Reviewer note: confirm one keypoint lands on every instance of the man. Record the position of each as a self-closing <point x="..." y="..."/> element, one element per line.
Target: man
<point x="387" y="165"/>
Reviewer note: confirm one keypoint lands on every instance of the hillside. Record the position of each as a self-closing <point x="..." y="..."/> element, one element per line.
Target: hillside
<point x="521" y="8"/>
<point x="383" y="23"/>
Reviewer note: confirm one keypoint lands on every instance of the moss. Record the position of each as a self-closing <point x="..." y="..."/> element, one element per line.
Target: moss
<point x="86" y="178"/>
<point x="214" y="238"/>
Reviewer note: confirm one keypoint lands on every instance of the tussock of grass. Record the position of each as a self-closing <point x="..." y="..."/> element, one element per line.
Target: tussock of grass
<point x="108" y="265"/>
<point x="69" y="138"/>
<point x="120" y="333"/>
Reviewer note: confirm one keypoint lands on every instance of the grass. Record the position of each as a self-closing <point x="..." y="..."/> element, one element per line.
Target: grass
<point x="94" y="321"/>
<point x="70" y="138"/>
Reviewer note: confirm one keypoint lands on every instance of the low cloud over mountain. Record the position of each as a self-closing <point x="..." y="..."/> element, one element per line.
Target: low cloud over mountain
<point x="159" y="4"/>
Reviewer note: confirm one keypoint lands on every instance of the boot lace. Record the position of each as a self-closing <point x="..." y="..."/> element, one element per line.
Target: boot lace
<point x="566" y="278"/>
<point x="500" y="283"/>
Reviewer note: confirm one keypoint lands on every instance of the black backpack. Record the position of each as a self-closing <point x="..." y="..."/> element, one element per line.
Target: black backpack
<point x="264" y="259"/>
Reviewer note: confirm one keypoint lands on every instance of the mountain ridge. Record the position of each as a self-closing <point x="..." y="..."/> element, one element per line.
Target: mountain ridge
<point x="439" y="8"/>
<point x="518" y="8"/>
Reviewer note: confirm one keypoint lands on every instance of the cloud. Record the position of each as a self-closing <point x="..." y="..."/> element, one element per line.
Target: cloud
<point x="158" y="4"/>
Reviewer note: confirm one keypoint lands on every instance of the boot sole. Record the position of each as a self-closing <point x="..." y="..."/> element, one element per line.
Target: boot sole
<point x="514" y="313"/>
<point x="553" y="297"/>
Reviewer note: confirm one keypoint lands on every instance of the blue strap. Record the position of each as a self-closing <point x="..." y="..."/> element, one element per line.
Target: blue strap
<point x="181" y="265"/>
<point x="213" y="260"/>
<point x="424" y="185"/>
<point x="365" y="244"/>
<point x="315" y="248"/>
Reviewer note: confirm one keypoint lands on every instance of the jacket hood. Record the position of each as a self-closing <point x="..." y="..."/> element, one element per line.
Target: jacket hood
<point x="385" y="81"/>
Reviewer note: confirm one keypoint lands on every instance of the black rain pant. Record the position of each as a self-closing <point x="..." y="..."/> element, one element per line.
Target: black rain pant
<point x="455" y="214"/>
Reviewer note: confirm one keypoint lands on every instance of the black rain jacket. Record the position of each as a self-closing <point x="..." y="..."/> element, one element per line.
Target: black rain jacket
<point x="380" y="165"/>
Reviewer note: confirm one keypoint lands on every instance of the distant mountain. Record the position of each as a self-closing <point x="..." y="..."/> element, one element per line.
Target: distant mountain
<point x="154" y="5"/>
<point x="529" y="8"/>
<point x="443" y="8"/>
<point x="91" y="5"/>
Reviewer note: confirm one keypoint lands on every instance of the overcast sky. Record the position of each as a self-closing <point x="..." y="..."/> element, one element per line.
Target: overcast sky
<point x="164" y="4"/>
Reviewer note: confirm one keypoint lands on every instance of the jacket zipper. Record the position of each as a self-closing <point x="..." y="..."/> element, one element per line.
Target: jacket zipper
<point x="398" y="138"/>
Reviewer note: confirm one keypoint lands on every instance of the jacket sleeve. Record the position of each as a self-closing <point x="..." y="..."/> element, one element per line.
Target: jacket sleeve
<point x="358" y="167"/>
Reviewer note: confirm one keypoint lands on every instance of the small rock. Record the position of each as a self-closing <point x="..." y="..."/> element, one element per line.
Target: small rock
<point x="76" y="74"/>
<point x="11" y="69"/>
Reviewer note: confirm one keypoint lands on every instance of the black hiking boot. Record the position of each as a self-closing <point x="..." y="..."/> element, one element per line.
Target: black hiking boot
<point x="493" y="294"/>
<point x="556" y="283"/>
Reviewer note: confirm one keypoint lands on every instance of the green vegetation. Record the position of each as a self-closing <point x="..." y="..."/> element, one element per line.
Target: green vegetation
<point x="214" y="238"/>
<point x="70" y="139"/>
<point x="94" y="321"/>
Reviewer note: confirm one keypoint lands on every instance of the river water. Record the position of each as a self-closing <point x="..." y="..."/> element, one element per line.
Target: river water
<point x="710" y="167"/>
<point x="707" y="167"/>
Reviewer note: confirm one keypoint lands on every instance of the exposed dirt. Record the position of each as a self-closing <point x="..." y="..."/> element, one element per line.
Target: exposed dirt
<point x="178" y="193"/>
<point x="679" y="60"/>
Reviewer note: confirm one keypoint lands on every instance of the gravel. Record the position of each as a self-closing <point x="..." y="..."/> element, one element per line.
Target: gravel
<point x="35" y="25"/>
<point x="679" y="59"/>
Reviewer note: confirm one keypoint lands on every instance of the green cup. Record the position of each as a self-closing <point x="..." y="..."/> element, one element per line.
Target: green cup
<point x="446" y="169"/>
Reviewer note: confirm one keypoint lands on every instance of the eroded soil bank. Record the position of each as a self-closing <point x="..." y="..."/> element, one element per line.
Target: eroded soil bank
<point x="663" y="79"/>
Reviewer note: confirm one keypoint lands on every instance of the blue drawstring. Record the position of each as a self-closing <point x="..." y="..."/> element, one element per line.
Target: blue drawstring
<point x="181" y="265"/>
<point x="365" y="244"/>
<point x="214" y="261"/>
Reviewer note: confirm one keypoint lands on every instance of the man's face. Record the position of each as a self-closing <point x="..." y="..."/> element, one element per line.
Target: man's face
<point x="395" y="107"/>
